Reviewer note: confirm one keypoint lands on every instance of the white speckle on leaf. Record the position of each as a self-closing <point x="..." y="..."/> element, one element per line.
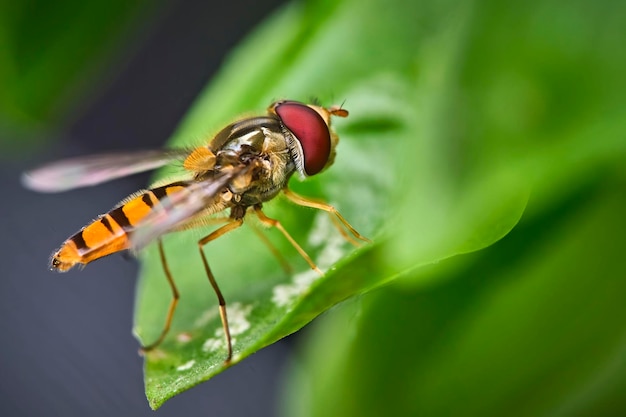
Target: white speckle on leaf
<point x="237" y="323"/>
<point x="206" y="317"/>
<point x="213" y="343"/>
<point x="284" y="294"/>
<point x="322" y="227"/>
<point x="237" y="318"/>
<point x="183" y="337"/>
<point x="186" y="366"/>
<point x="332" y="252"/>
<point x="217" y="342"/>
<point x="323" y="232"/>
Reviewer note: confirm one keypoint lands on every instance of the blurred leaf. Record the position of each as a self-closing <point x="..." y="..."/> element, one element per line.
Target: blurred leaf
<point x="48" y="50"/>
<point x="531" y="96"/>
<point x="531" y="326"/>
<point x="455" y="115"/>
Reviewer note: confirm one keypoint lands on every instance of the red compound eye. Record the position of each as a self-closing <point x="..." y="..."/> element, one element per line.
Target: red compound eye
<point x="310" y="130"/>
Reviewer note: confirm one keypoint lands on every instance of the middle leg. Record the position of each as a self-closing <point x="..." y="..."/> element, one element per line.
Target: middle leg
<point x="275" y="223"/>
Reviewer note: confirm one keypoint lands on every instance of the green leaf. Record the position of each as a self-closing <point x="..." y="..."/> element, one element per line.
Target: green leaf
<point x="329" y="50"/>
<point x="450" y="129"/>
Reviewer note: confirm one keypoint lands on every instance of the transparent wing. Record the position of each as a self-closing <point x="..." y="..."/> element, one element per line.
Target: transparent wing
<point x="181" y="206"/>
<point x="94" y="169"/>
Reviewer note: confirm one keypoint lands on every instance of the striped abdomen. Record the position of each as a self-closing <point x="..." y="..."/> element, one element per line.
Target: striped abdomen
<point x="109" y="233"/>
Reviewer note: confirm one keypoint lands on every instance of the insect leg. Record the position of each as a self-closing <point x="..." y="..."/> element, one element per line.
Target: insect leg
<point x="275" y="223"/>
<point x="173" y="302"/>
<point x="302" y="201"/>
<point x="233" y="224"/>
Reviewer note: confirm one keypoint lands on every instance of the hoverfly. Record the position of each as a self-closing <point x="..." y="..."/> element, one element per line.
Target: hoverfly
<point x="247" y="163"/>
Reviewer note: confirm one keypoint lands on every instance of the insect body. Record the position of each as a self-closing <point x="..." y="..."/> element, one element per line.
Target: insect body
<point x="246" y="164"/>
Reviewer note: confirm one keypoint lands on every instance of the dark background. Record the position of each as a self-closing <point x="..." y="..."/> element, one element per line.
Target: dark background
<point x="67" y="347"/>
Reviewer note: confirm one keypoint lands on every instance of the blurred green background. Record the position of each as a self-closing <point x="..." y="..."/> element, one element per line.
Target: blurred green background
<point x="500" y="132"/>
<point x="52" y="56"/>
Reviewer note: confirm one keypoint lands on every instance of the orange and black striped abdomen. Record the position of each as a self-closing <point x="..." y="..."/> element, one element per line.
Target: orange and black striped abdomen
<point x="109" y="233"/>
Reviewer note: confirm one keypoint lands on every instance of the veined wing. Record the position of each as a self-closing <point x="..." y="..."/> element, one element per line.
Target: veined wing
<point x="181" y="206"/>
<point x="95" y="169"/>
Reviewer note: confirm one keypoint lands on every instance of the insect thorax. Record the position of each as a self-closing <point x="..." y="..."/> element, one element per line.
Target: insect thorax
<point x="260" y="144"/>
